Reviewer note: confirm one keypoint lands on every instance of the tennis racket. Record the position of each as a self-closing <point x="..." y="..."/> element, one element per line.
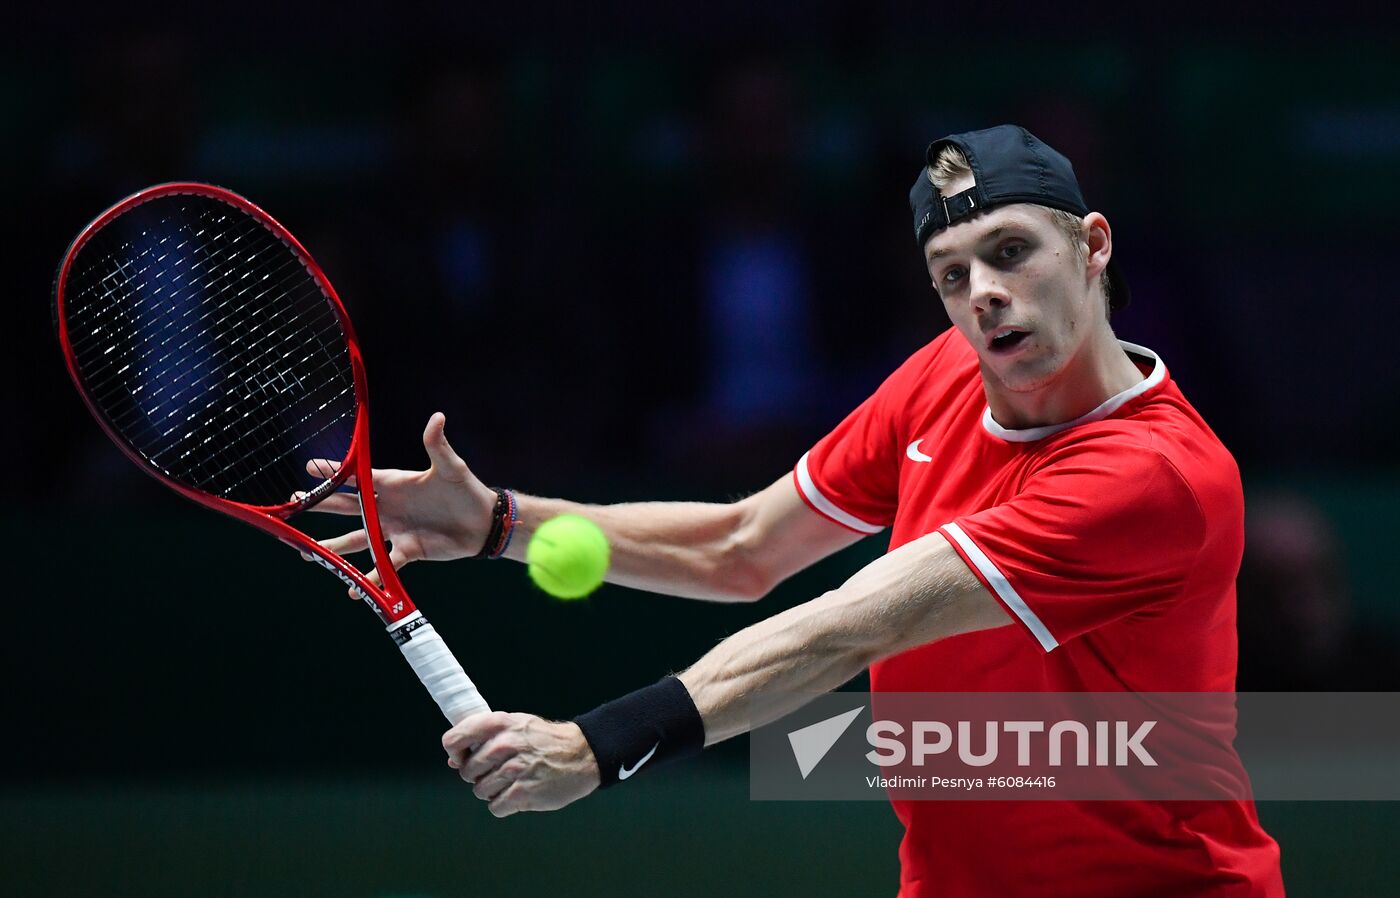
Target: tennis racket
<point x="212" y="349"/>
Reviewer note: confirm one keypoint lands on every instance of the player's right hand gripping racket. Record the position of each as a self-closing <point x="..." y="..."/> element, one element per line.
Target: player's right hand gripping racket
<point x="213" y="350"/>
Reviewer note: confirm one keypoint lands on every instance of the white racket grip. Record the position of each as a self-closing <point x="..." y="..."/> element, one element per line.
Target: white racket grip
<point x="432" y="660"/>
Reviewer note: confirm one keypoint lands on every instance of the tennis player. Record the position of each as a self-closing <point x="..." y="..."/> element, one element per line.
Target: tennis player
<point x="1063" y="521"/>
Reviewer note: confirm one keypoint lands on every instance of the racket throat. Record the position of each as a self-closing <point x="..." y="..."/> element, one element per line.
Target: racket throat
<point x="386" y="615"/>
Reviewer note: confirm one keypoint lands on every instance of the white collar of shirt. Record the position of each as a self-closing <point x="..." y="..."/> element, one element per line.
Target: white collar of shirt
<point x="1108" y="407"/>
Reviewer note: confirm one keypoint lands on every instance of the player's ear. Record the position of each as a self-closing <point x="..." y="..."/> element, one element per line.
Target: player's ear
<point x="1098" y="237"/>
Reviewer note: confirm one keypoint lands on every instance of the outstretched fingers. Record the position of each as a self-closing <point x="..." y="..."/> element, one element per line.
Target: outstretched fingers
<point x="326" y="468"/>
<point x="347" y="544"/>
<point x="397" y="557"/>
<point x="358" y="541"/>
<point x="335" y="503"/>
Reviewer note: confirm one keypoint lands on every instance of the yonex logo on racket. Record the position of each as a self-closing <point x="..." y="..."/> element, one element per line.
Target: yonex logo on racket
<point x="320" y="492"/>
<point x="346" y="580"/>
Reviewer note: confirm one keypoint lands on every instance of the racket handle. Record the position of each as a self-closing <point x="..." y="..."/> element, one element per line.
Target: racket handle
<point x="435" y="665"/>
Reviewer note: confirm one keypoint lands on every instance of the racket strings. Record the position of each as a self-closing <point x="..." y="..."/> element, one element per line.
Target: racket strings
<point x="253" y="472"/>
<point x="125" y="263"/>
<point x="241" y="347"/>
<point x="235" y="346"/>
<point x="176" y="399"/>
<point x="210" y="348"/>
<point x="123" y="306"/>
<point x="201" y="322"/>
<point x="149" y="287"/>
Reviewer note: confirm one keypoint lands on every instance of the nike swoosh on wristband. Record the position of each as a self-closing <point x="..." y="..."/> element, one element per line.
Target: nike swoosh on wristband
<point x="623" y="772"/>
<point x="914" y="453"/>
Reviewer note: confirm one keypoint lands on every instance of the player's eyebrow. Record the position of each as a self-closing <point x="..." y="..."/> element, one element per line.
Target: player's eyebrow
<point x="993" y="234"/>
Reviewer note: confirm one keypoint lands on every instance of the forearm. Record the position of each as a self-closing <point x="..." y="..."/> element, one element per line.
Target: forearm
<point x="779" y="664"/>
<point x="916" y="594"/>
<point x="691" y="549"/>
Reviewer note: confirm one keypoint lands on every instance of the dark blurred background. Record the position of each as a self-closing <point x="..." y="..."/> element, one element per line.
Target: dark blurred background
<point x="638" y="253"/>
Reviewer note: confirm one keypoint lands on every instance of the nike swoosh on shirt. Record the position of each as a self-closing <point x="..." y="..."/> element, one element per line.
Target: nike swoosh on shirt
<point x="914" y="453"/>
<point x="623" y="772"/>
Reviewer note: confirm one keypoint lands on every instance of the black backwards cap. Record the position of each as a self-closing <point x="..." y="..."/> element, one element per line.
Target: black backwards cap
<point x="1009" y="165"/>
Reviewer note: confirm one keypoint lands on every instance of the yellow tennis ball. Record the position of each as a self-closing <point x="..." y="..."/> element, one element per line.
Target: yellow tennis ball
<point x="568" y="556"/>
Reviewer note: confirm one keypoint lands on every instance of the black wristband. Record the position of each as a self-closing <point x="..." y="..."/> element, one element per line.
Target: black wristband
<point x="655" y="724"/>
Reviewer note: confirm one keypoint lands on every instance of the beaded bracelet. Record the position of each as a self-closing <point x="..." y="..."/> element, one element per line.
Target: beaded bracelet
<point x="509" y="520"/>
<point x="503" y="519"/>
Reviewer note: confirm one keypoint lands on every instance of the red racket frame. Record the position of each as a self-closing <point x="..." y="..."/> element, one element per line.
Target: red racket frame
<point x="391" y="602"/>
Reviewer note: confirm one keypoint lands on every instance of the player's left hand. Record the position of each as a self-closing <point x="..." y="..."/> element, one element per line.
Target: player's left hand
<point x="520" y="762"/>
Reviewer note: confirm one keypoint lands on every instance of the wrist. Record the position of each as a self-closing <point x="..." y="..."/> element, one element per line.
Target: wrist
<point x="584" y="758"/>
<point x="655" y="724"/>
<point x="478" y="512"/>
<point x="505" y="514"/>
<point x="484" y="501"/>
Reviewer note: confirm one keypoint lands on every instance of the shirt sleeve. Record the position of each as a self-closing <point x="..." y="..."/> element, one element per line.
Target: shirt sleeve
<point x="1100" y="532"/>
<point x="852" y="474"/>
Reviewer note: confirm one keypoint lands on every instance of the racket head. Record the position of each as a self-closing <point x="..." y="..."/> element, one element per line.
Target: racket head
<point x="214" y="351"/>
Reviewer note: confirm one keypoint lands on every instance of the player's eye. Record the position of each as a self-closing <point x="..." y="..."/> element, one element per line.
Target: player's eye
<point x="952" y="276"/>
<point x="1012" y="250"/>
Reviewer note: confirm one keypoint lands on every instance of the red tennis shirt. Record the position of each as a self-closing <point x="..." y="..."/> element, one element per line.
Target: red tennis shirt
<point x="1113" y="541"/>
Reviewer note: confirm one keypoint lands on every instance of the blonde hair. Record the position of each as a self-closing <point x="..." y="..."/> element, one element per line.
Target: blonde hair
<point x="951" y="165"/>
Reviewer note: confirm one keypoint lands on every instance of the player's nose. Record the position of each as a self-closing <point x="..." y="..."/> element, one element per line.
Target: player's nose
<point x="986" y="289"/>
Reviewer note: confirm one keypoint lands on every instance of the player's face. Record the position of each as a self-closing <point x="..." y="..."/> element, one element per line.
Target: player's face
<point x="1012" y="285"/>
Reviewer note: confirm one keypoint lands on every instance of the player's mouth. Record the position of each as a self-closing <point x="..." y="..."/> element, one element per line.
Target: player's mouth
<point x="1006" y="340"/>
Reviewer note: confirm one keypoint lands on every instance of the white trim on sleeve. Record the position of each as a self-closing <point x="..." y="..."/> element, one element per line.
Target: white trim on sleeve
<point x="1002" y="587"/>
<point x="826" y="506"/>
